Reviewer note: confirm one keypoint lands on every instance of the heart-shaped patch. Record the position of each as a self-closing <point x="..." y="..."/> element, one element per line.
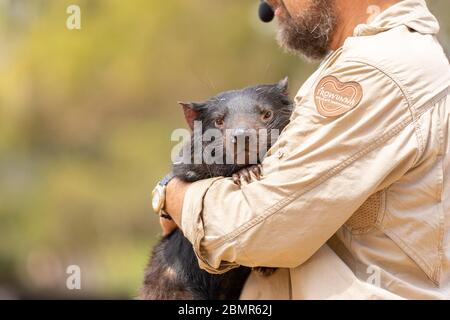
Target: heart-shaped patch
<point x="333" y="97"/>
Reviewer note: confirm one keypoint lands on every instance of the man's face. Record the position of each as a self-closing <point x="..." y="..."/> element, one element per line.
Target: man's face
<point x="306" y="26"/>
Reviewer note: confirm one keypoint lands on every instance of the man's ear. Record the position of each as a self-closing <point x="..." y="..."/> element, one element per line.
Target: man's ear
<point x="283" y="86"/>
<point x="191" y="111"/>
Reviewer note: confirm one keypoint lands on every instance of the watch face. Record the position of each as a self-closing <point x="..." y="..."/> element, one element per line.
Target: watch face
<point x="158" y="198"/>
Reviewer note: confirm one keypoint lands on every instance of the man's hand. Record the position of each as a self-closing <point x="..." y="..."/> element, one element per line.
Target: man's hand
<point x="175" y="196"/>
<point x="174" y="205"/>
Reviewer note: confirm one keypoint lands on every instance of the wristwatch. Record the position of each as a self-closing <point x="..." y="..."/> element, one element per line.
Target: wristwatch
<point x="159" y="196"/>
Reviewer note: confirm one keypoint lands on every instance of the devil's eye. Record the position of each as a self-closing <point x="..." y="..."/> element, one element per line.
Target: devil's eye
<point x="219" y="122"/>
<point x="267" y="115"/>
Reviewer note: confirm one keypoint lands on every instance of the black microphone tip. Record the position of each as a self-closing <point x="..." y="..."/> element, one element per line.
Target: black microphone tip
<point x="265" y="12"/>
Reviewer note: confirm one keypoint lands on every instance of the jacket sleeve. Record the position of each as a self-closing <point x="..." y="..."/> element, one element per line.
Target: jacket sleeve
<point x="320" y="171"/>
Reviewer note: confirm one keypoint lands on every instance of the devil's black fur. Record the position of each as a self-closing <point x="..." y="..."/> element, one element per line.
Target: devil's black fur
<point x="173" y="272"/>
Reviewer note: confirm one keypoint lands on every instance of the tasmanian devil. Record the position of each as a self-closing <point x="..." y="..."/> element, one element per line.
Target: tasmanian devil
<point x="173" y="271"/>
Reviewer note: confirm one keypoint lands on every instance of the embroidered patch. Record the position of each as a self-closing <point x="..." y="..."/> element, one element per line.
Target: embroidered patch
<point x="333" y="97"/>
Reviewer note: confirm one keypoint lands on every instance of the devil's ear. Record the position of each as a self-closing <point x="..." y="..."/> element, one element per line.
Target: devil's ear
<point x="191" y="111"/>
<point x="283" y="86"/>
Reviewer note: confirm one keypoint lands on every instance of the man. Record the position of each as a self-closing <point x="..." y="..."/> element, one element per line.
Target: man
<point x="363" y="165"/>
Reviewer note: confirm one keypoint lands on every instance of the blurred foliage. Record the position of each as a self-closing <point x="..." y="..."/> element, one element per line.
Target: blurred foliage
<point x="85" y="123"/>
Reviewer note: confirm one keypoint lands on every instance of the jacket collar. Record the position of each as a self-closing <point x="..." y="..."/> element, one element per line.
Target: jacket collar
<point x="411" y="13"/>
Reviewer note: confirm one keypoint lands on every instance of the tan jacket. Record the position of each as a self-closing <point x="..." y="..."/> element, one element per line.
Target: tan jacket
<point x="365" y="158"/>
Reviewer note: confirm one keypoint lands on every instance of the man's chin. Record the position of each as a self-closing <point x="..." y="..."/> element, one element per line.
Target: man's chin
<point x="309" y="34"/>
<point x="309" y="52"/>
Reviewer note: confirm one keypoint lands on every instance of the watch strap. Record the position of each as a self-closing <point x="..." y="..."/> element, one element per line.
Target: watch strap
<point x="165" y="181"/>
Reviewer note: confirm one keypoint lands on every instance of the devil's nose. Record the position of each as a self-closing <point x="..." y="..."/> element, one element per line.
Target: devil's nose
<point x="238" y="132"/>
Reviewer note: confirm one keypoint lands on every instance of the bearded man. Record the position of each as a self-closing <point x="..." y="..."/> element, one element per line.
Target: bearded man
<point x="354" y="201"/>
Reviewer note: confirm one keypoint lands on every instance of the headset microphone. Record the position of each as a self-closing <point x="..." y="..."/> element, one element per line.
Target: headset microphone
<point x="265" y="12"/>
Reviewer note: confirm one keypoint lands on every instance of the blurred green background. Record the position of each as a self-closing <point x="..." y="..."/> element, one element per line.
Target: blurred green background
<point x="85" y="123"/>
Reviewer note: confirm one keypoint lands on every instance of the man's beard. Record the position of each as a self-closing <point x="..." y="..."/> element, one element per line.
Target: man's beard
<point x="310" y="33"/>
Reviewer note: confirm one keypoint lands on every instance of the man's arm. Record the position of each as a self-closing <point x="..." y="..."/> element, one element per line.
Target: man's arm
<point x="324" y="169"/>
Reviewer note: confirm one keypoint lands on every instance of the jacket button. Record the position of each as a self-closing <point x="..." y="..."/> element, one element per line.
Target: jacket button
<point x="280" y="154"/>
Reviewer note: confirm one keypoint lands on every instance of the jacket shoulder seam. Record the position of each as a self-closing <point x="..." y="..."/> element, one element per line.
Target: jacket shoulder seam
<point x="406" y="95"/>
<point x="383" y="70"/>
